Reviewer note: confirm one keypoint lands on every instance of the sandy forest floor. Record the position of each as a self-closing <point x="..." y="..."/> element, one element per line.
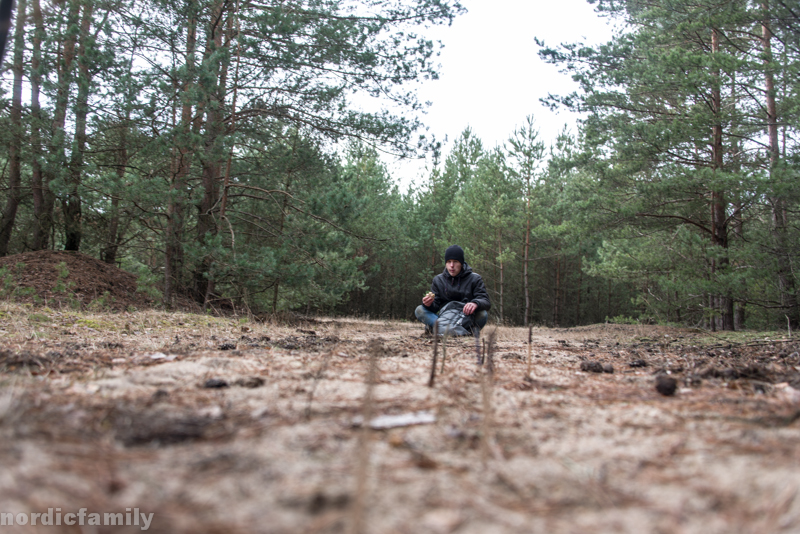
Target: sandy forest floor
<point x="232" y="425"/>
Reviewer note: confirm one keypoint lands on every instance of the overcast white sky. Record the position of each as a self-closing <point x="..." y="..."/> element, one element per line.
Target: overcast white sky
<point x="491" y="77"/>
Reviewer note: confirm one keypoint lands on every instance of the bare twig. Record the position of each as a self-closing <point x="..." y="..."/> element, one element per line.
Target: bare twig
<point x="490" y="353"/>
<point x="487" y="386"/>
<point x="432" y="379"/>
<point x="530" y="342"/>
<point x="317" y="376"/>
<point x="444" y="352"/>
<point x="477" y="333"/>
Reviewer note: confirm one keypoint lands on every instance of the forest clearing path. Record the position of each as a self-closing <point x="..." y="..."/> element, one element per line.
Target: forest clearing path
<point x="230" y="425"/>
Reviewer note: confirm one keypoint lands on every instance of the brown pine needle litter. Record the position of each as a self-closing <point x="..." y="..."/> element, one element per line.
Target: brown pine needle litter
<point x="124" y="409"/>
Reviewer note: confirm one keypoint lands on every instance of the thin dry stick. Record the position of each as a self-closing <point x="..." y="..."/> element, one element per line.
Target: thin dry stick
<point x="530" y="340"/>
<point x="478" y="346"/>
<point x="317" y="376"/>
<point x="432" y="379"/>
<point x="444" y="352"/>
<point x="490" y="353"/>
<point x="362" y="451"/>
<point x="487" y="383"/>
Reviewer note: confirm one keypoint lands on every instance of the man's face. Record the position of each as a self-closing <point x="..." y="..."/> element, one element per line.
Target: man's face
<point x="453" y="267"/>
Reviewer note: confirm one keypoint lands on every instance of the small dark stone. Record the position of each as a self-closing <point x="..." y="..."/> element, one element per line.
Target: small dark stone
<point x="215" y="383"/>
<point x="144" y="429"/>
<point x="321" y="502"/>
<point x="250" y="382"/>
<point x="423" y="461"/>
<point x="227" y="346"/>
<point x="592" y="367"/>
<point x="160" y="394"/>
<point x="608" y="368"/>
<point x="638" y="363"/>
<point x="666" y="385"/>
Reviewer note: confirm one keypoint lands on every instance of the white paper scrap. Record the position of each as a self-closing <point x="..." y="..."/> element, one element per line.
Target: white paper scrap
<point x="161" y="356"/>
<point x="382" y="422"/>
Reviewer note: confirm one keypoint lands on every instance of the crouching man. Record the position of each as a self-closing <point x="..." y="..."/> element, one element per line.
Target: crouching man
<point x="456" y="283"/>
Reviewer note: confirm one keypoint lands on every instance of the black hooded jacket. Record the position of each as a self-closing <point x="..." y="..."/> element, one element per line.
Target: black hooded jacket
<point x="465" y="287"/>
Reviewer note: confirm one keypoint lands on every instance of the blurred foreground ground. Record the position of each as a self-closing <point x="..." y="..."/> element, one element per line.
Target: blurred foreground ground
<point x="112" y="411"/>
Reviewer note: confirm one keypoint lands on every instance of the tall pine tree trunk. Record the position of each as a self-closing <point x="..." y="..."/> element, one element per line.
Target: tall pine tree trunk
<point x="723" y="304"/>
<point x="111" y="247"/>
<point x="73" y="226"/>
<point x="502" y="272"/>
<point x="780" y="222"/>
<point x="286" y="188"/>
<point x="557" y="288"/>
<point x="212" y="156"/>
<point x="578" y="300"/>
<point x="56" y="159"/>
<point x="173" y="257"/>
<point x="43" y="198"/>
<point x="15" y="146"/>
<point x="527" y="251"/>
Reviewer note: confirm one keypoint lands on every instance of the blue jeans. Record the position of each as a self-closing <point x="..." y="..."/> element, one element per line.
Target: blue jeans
<point x="427" y="317"/>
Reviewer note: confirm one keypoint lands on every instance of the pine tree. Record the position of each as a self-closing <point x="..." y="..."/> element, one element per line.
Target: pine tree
<point x="674" y="128"/>
<point x="525" y="153"/>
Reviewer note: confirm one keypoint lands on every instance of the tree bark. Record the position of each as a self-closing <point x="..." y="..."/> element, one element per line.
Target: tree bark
<point x="282" y="221"/>
<point x="43" y="198"/>
<point x="557" y="290"/>
<point x="15" y="146"/>
<point x="502" y="272"/>
<point x="73" y="226"/>
<point x="173" y="257"/>
<point x="719" y="230"/>
<point x="527" y="249"/>
<point x="109" y="252"/>
<point x="56" y="159"/>
<point x="788" y="291"/>
<point x="212" y="157"/>
<point x="578" y="300"/>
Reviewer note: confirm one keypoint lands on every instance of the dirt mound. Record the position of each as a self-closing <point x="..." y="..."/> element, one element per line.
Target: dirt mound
<point x="58" y="279"/>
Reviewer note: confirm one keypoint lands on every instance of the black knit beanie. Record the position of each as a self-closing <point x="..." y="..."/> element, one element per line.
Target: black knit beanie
<point x="454" y="252"/>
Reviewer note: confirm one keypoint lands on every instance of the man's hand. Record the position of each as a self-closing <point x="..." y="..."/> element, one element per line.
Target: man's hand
<point x="469" y="308"/>
<point x="428" y="299"/>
